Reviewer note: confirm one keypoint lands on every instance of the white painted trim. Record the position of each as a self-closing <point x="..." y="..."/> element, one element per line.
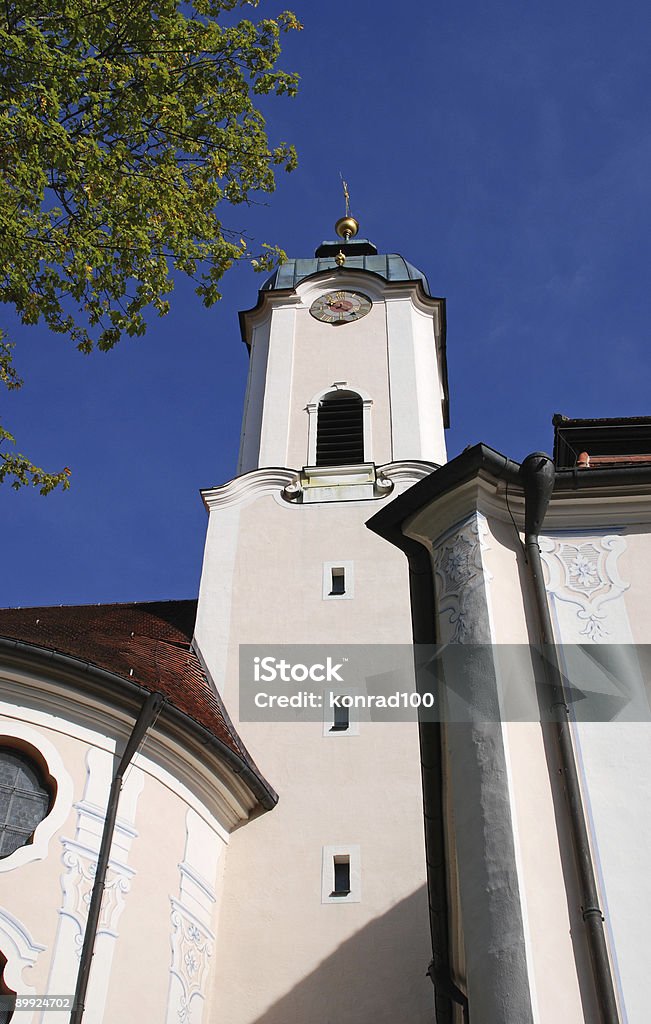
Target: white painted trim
<point x="367" y="405"/>
<point x="351" y="850"/>
<point x="340" y="385"/>
<point x="312" y="422"/>
<point x="406" y="472"/>
<point x="20" y="950"/>
<point x="38" y="848"/>
<point x="192" y="939"/>
<point x="247" y="488"/>
<point x="349" y="580"/>
<point x="274" y="430"/>
<point x="251" y="428"/>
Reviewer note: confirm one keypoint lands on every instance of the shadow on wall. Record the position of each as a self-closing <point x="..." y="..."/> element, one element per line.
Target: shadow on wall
<point x="395" y="988"/>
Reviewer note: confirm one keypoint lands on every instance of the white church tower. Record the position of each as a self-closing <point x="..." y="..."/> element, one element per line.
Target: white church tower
<point x="324" y="909"/>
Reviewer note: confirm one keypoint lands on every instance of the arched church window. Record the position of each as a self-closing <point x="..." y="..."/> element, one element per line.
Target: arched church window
<point x="25" y="799"/>
<point x="340" y="429"/>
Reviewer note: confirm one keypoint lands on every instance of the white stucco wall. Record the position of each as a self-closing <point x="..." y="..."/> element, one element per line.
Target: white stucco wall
<point x="596" y="552"/>
<point x="605" y="605"/>
<point x="46" y="898"/>
<point x="291" y="956"/>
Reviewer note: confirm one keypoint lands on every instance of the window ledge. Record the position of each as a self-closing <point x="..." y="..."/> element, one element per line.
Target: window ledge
<point x="339" y="483"/>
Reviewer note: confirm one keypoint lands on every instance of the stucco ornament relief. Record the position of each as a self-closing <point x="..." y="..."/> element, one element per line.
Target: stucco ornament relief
<point x="459" y="570"/>
<point x="77" y="883"/>
<point x="21" y="951"/>
<point x="585" y="573"/>
<point x="192" y="948"/>
<point x="191" y="917"/>
<point x="79" y="858"/>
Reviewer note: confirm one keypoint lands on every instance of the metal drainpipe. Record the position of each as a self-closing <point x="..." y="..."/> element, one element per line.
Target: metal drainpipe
<point x="446" y="992"/>
<point x="148" y="713"/>
<point x="537" y="475"/>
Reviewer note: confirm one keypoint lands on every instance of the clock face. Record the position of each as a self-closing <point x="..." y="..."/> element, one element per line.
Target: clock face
<point x="340" y="307"/>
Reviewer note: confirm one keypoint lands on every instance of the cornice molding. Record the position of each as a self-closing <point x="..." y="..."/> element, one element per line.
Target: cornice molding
<point x="248" y="487"/>
<point x="284" y="485"/>
<point x="601" y="509"/>
<point x="406" y="472"/>
<point x="185" y="751"/>
<point x="378" y="288"/>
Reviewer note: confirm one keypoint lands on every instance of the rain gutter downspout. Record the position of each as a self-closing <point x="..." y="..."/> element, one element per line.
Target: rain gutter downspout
<point x="421" y="590"/>
<point x="148" y="713"/>
<point x="537" y="475"/>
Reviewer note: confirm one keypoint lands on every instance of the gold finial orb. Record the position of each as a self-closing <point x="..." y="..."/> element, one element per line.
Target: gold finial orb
<point x="346" y="227"/>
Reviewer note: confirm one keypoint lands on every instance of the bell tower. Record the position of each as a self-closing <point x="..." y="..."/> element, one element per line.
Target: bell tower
<point x="348" y="319"/>
<point x="324" y="912"/>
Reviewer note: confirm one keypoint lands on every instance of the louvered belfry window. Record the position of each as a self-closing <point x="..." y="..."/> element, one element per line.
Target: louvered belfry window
<point x="340" y="430"/>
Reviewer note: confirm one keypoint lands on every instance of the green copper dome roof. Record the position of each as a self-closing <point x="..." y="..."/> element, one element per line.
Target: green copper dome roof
<point x="360" y="255"/>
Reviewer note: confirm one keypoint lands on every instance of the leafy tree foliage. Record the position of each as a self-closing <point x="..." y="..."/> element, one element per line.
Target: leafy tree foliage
<point x="124" y="129"/>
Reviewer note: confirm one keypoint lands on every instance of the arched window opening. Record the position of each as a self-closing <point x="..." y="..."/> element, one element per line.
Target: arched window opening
<point x="340" y="430"/>
<point x="25" y="799"/>
<point x="7" y="995"/>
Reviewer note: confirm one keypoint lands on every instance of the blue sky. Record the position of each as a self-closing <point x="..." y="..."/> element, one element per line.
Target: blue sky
<point x="505" y="149"/>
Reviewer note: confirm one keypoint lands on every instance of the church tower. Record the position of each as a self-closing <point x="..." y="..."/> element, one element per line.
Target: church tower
<point x="324" y="910"/>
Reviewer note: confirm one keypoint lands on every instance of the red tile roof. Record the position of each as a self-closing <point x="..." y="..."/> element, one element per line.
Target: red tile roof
<point x="148" y="644"/>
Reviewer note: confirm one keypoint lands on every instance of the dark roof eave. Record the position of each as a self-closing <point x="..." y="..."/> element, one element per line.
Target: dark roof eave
<point x="567" y="422"/>
<point x="134" y="694"/>
<point x="613" y="476"/>
<point x="388" y="521"/>
<point x="464" y="467"/>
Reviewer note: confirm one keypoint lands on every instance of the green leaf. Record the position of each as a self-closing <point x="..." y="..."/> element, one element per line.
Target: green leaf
<point x="124" y="131"/>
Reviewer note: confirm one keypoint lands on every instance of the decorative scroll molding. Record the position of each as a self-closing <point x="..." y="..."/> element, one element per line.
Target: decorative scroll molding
<point x="79" y="860"/>
<point x="248" y="487"/>
<point x="20" y="950"/>
<point x="77" y="883"/>
<point x="192" y="949"/>
<point x="584" y="573"/>
<point x="406" y="472"/>
<point x="285" y="485"/>
<point x="191" y="935"/>
<point x="459" y="573"/>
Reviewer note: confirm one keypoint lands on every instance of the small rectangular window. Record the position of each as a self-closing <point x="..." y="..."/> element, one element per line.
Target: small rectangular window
<point x="341" y="719"/>
<point x="341" y="874"/>
<point x="341" y="866"/>
<point x="341" y="716"/>
<point x="338" y="581"/>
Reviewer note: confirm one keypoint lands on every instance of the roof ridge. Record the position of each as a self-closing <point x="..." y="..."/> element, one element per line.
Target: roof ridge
<point x="98" y="604"/>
